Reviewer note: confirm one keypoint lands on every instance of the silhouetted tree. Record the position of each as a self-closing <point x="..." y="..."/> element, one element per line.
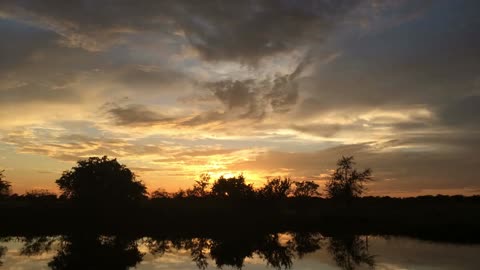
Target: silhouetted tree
<point x="276" y="188"/>
<point x="160" y="194"/>
<point x="40" y="194"/>
<point x="180" y="194"/>
<point x="234" y="187"/>
<point x="347" y="182"/>
<point x="350" y="251"/>
<point x="5" y="186"/>
<point x="101" y="180"/>
<point x="200" y="186"/>
<point x="306" y="189"/>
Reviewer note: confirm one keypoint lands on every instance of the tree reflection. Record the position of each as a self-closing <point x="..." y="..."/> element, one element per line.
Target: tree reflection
<point x="350" y="251"/>
<point x="90" y="251"/>
<point x="306" y="242"/>
<point x="232" y="250"/>
<point x="3" y="250"/>
<point x="86" y="251"/>
<point x="198" y="250"/>
<point x="36" y="245"/>
<point x="96" y="252"/>
<point x="277" y="255"/>
<point x="198" y="247"/>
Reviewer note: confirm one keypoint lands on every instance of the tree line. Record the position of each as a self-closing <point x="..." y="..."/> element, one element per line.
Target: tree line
<point x="103" y="179"/>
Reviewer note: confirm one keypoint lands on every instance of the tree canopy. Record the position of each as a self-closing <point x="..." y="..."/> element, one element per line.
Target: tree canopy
<point x="346" y="182"/>
<point x="5" y="186"/>
<point x="233" y="187"/>
<point x="101" y="180"/>
<point x="276" y="188"/>
<point x="306" y="189"/>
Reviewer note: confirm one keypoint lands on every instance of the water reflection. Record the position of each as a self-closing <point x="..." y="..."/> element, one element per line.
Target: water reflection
<point x="252" y="251"/>
<point x="3" y="250"/>
<point x="86" y="251"/>
<point x="276" y="250"/>
<point x="350" y="251"/>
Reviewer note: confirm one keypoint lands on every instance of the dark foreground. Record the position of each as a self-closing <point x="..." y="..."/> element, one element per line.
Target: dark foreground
<point x="452" y="219"/>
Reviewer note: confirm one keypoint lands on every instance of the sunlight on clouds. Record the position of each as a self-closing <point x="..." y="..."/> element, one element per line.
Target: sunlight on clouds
<point x="271" y="88"/>
<point x="400" y="115"/>
<point x="265" y="69"/>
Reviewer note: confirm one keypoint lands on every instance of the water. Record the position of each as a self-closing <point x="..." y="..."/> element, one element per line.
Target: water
<point x="262" y="251"/>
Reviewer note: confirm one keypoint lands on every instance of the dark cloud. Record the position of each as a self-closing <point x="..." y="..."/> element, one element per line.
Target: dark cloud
<point x="284" y="93"/>
<point x="431" y="60"/>
<point x="251" y="99"/>
<point x="320" y="130"/>
<point x="228" y="30"/>
<point x="462" y="112"/>
<point x="234" y="94"/>
<point x="31" y="91"/>
<point x="135" y="115"/>
<point x="19" y="43"/>
<point x="239" y="97"/>
<point x="147" y="77"/>
<point x="203" y="118"/>
<point x="34" y="68"/>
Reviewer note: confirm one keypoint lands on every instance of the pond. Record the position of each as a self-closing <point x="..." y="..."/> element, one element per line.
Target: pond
<point x="289" y="250"/>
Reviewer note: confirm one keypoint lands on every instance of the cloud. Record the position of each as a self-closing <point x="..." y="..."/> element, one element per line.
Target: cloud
<point x="321" y="130"/>
<point x="147" y="78"/>
<point x="250" y="99"/>
<point x="464" y="112"/>
<point x="237" y="31"/>
<point x="19" y="42"/>
<point x="394" y="171"/>
<point x="39" y="91"/>
<point x="135" y="115"/>
<point x="290" y="77"/>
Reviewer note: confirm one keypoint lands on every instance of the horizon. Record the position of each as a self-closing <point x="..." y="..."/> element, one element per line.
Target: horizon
<point x="174" y="89"/>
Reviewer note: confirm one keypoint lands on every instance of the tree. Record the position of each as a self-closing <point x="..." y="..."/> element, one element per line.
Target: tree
<point x="5" y="186"/>
<point x="347" y="182"/>
<point x="160" y="194"/>
<point x="234" y="187"/>
<point x="200" y="186"/>
<point x="40" y="194"/>
<point x="101" y="180"/>
<point x="306" y="189"/>
<point x="276" y="188"/>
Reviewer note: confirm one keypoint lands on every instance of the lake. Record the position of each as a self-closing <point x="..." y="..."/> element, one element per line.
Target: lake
<point x="288" y="250"/>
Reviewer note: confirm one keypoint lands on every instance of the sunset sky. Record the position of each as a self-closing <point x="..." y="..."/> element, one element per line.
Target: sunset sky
<point x="178" y="88"/>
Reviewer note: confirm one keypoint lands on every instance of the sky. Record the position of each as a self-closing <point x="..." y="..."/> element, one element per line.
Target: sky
<point x="173" y="89"/>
